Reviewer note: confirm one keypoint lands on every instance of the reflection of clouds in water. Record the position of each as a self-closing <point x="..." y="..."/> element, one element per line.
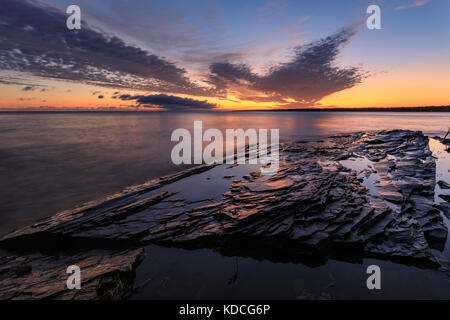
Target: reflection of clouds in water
<point x="91" y="155"/>
<point x="442" y="160"/>
<point x="431" y="124"/>
<point x="366" y="171"/>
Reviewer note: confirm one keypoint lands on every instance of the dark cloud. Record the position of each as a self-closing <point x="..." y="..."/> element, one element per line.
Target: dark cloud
<point x="224" y="73"/>
<point x="12" y="81"/>
<point x="307" y="78"/>
<point x="34" y="39"/>
<point x="28" y="88"/>
<point x="100" y="97"/>
<point x="168" y="102"/>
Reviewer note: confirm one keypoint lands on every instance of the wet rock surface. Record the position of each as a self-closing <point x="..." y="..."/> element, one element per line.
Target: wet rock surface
<point x="318" y="206"/>
<point x="105" y="275"/>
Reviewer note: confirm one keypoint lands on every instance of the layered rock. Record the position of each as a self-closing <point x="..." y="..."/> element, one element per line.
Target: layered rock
<point x="104" y="275"/>
<point x="314" y="208"/>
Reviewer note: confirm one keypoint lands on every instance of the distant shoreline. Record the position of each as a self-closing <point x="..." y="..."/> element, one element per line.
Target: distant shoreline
<point x="393" y="109"/>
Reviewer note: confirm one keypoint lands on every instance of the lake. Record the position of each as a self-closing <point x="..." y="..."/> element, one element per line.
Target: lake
<point x="55" y="161"/>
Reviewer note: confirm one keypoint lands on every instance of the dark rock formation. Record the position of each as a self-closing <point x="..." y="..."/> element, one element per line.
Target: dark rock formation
<point x="443" y="184"/>
<point x="314" y="208"/>
<point x="104" y="275"/>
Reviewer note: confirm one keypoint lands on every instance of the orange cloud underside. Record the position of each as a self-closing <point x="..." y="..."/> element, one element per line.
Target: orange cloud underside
<point x="413" y="88"/>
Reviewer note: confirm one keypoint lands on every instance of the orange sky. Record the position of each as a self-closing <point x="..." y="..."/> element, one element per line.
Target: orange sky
<point x="408" y="89"/>
<point x="406" y="63"/>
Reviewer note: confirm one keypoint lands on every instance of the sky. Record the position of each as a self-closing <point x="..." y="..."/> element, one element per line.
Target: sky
<point x="223" y="55"/>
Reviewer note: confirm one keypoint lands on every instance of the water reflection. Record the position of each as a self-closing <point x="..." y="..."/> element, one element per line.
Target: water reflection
<point x="170" y="273"/>
<point x="54" y="161"/>
<point x="51" y="162"/>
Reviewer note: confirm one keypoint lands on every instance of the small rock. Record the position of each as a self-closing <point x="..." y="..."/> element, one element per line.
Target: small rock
<point x="443" y="184"/>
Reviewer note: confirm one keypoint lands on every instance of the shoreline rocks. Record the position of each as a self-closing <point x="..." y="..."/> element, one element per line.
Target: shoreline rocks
<point x="105" y="275"/>
<point x="313" y="209"/>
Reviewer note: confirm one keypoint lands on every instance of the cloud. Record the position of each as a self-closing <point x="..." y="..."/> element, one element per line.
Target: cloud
<point x="308" y="77"/>
<point x="12" y="81"/>
<point x="100" y="97"/>
<point x="224" y="73"/>
<point x="28" y="88"/>
<point x="272" y="6"/>
<point x="415" y="4"/>
<point x="168" y="102"/>
<point x="35" y="40"/>
<point x="68" y="109"/>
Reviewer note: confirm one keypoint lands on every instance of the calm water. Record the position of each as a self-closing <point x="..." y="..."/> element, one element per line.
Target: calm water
<point x="51" y="162"/>
<point x="55" y="161"/>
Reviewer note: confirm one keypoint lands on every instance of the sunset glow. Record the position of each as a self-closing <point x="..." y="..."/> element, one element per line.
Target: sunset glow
<point x="260" y="59"/>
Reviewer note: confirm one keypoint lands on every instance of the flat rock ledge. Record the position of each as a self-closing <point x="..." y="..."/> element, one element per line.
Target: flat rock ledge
<point x="104" y="275"/>
<point x="345" y="197"/>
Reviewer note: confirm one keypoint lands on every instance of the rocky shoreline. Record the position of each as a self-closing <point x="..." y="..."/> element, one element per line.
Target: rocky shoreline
<point x="345" y="197"/>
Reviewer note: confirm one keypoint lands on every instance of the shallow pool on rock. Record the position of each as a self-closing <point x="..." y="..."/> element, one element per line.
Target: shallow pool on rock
<point x="169" y="273"/>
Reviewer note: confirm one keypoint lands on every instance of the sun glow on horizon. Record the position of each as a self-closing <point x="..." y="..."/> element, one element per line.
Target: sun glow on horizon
<point x="299" y="59"/>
